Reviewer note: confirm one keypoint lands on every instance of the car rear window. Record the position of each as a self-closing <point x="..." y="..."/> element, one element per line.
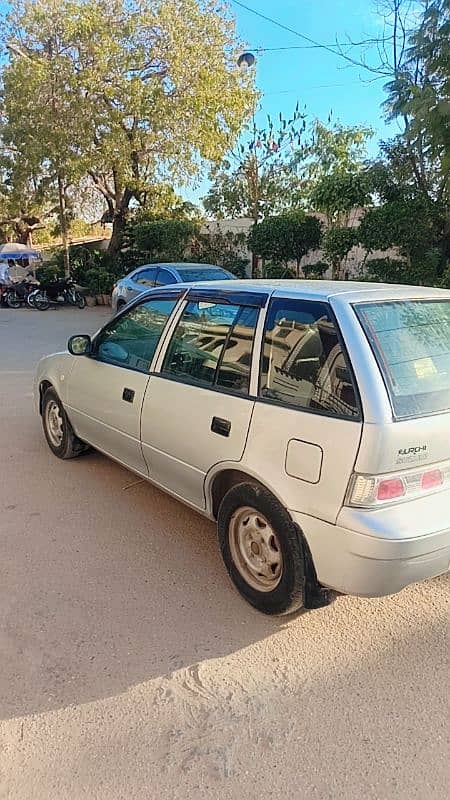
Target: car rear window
<point x="411" y="342"/>
<point x="200" y="274"/>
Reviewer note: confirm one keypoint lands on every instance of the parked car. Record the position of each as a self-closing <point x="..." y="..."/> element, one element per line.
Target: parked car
<point x="149" y="275"/>
<point x="311" y="420"/>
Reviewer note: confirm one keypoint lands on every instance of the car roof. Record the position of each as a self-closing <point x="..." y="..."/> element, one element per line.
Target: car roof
<point x="348" y="291"/>
<point x="179" y="265"/>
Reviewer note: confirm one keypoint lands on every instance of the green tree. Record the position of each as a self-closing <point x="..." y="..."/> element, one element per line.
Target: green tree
<point x="165" y="239"/>
<point x="337" y="243"/>
<point x="44" y="114"/>
<point x="144" y="92"/>
<point x="255" y="180"/>
<point x="329" y="150"/>
<point x="287" y="237"/>
<point x="225" y="248"/>
<point x="339" y="196"/>
<point x="414" y="227"/>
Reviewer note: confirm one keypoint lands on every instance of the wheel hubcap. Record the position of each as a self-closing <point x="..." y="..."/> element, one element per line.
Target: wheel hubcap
<point x="255" y="549"/>
<point x="54" y="423"/>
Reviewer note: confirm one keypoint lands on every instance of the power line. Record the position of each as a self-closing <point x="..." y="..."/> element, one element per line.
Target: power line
<point x="281" y="25"/>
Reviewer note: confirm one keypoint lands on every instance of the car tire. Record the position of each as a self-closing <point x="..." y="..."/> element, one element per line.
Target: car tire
<point x="262" y="550"/>
<point x="58" y="431"/>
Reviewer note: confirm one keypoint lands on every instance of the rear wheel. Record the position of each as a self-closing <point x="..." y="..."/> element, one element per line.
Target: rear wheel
<point x="262" y="550"/>
<point x="13" y="300"/>
<point x="58" y="431"/>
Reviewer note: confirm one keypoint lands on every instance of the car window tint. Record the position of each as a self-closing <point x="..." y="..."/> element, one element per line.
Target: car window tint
<point x="208" y="342"/>
<point x="164" y="278"/>
<point x="204" y="274"/>
<point x="302" y="362"/>
<point x="146" y="277"/>
<point x="131" y="340"/>
<point x="411" y="342"/>
<point x="234" y="368"/>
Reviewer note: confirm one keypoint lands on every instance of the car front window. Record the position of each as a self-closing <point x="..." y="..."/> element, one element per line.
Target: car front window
<point x="131" y="339"/>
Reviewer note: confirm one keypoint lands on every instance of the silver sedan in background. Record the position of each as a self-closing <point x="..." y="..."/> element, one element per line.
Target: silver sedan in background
<point x="149" y="275"/>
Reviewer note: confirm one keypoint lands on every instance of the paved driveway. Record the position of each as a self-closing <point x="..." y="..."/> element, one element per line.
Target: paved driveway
<point x="129" y="668"/>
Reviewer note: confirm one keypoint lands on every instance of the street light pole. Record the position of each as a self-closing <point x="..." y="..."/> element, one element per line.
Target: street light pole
<point x="245" y="61"/>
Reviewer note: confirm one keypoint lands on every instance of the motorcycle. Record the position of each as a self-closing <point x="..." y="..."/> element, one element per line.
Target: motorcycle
<point x="60" y="292"/>
<point x="17" y="294"/>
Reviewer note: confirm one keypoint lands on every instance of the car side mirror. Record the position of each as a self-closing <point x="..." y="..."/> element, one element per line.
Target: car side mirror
<point x="80" y="345"/>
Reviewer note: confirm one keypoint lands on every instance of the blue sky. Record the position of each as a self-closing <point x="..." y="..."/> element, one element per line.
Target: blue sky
<point x="319" y="80"/>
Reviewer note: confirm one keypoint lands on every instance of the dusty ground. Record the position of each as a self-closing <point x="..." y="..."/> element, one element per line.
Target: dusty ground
<point x="129" y="668"/>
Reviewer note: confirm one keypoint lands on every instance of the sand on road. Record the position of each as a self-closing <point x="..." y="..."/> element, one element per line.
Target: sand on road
<point x="129" y="667"/>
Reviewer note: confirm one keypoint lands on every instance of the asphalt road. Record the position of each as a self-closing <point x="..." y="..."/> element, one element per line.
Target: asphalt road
<point x="129" y="667"/>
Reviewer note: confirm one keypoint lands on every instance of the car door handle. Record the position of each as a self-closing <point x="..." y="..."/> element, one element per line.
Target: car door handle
<point x="128" y="395"/>
<point x="221" y="426"/>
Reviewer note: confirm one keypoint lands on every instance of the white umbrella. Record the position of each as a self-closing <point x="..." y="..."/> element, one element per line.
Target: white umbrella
<point x="14" y="251"/>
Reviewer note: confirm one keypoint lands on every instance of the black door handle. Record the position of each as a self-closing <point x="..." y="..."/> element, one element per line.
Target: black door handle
<point x="221" y="426"/>
<point x="128" y="395"/>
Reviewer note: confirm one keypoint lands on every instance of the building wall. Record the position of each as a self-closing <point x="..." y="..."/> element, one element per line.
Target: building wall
<point x="354" y="262"/>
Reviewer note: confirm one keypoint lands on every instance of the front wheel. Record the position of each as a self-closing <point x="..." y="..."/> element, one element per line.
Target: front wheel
<point x="58" y="431"/>
<point x="262" y="550"/>
<point x="41" y="301"/>
<point x="80" y="300"/>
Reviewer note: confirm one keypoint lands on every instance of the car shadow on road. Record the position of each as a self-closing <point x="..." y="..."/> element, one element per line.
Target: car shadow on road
<point x="109" y="582"/>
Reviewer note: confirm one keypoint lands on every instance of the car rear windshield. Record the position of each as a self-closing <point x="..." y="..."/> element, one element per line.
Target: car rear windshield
<point x="411" y="342"/>
<point x="192" y="275"/>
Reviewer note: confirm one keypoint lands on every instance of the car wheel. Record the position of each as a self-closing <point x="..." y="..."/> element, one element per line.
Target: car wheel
<point x="59" y="433"/>
<point x="262" y="550"/>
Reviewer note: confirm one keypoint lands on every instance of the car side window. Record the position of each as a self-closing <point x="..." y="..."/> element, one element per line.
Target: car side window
<point x="146" y="277"/>
<point x="165" y="278"/>
<point x="131" y="339"/>
<point x="303" y="363"/>
<point x="212" y="345"/>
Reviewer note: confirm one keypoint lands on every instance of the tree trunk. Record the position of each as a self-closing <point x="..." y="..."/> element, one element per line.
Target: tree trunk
<point x="118" y="230"/>
<point x="336" y="271"/>
<point x="63" y="224"/>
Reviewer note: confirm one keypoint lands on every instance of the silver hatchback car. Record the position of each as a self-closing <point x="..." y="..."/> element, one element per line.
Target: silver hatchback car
<point x="311" y="420"/>
<point x="147" y="276"/>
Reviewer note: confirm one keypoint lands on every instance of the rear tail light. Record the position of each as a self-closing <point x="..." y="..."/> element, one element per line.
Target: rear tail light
<point x="368" y="491"/>
<point x="390" y="489"/>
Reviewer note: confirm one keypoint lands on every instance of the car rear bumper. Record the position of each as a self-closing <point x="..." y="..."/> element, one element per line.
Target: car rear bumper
<point x="360" y="560"/>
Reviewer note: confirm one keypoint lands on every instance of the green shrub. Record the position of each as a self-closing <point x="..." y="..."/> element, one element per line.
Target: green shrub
<point x="275" y="271"/>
